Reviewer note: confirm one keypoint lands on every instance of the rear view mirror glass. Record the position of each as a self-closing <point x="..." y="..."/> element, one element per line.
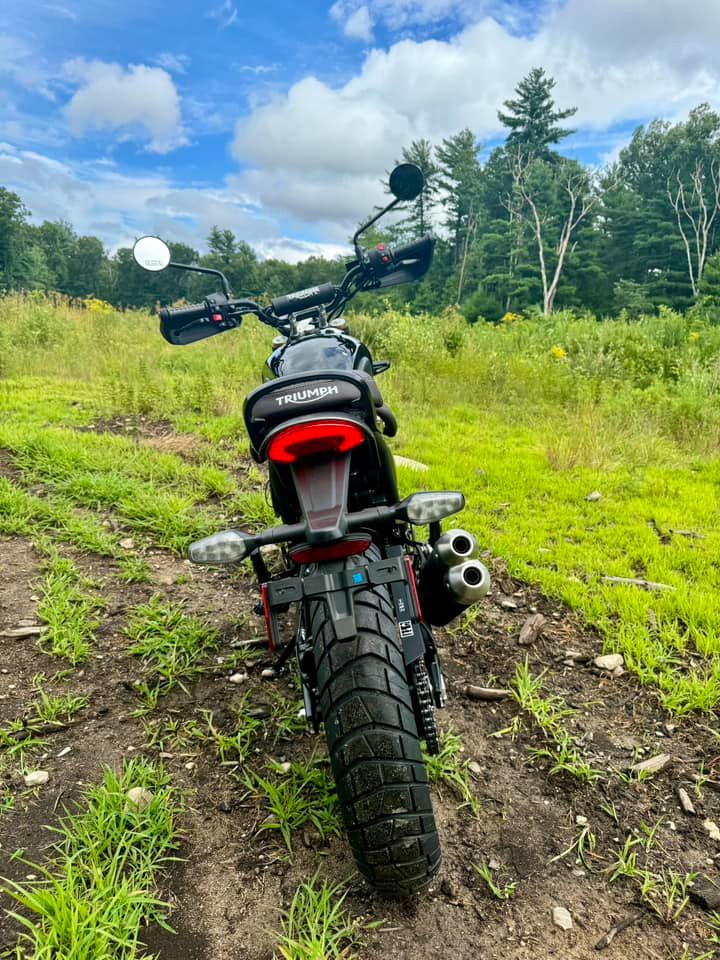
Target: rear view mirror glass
<point x="151" y="253"/>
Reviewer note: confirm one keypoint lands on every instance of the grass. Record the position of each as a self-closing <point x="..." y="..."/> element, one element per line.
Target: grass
<point x="172" y="646"/>
<point x="630" y="410"/>
<point x="97" y="891"/>
<point x="548" y="713"/>
<point x="500" y="892"/>
<point x="448" y="768"/>
<point x="71" y="614"/>
<point x="57" y="709"/>
<point x="236" y="745"/>
<point x="301" y="796"/>
<point x="317" y="926"/>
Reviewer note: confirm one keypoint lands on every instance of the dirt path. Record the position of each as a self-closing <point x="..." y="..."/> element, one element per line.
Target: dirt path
<point x="230" y="888"/>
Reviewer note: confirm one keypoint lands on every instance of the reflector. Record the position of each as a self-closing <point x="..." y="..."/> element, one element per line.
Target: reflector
<point x="317" y="436"/>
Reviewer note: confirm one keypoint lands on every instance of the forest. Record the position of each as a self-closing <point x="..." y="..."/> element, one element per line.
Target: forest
<point x="521" y="228"/>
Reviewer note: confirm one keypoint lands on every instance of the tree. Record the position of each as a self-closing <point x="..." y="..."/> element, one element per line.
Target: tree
<point x="223" y="244"/>
<point x="532" y="118"/>
<point x="458" y="176"/>
<point x="695" y="212"/>
<point x="13" y="215"/>
<point x="553" y="199"/>
<point x="419" y="212"/>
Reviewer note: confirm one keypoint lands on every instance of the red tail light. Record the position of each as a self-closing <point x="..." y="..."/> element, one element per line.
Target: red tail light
<point x="318" y="436"/>
<point x="334" y="551"/>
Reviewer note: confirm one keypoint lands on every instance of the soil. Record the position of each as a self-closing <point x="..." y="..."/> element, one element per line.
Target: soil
<point x="233" y="881"/>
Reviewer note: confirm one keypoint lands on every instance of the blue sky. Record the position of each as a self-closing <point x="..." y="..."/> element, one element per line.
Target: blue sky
<point x="277" y="118"/>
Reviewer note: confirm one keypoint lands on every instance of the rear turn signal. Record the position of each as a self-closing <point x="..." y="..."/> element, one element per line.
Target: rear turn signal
<point x="318" y="436"/>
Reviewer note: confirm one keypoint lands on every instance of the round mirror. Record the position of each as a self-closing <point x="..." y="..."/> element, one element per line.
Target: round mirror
<point x="151" y="253"/>
<point x="406" y="181"/>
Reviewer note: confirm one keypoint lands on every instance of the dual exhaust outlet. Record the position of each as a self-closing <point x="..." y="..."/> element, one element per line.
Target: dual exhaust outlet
<point x="450" y="579"/>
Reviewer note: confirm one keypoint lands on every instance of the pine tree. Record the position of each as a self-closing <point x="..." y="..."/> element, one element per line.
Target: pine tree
<point x="458" y="178"/>
<point x="418" y="221"/>
<point x="532" y="118"/>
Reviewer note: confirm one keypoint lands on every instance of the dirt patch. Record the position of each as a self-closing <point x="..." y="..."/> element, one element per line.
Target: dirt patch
<point x="234" y="881"/>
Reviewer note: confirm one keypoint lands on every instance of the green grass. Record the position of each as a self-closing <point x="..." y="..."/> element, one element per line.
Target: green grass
<point x="303" y="796"/>
<point x="629" y="409"/>
<point x="450" y="769"/>
<point x="97" y="892"/>
<point x="57" y="709"/>
<point x="71" y="614"/>
<point x="548" y="713"/>
<point x="172" y="645"/>
<point x="317" y="926"/>
<point x="501" y="891"/>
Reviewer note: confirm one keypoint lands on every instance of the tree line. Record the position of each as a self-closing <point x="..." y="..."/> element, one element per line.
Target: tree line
<point x="526" y="228"/>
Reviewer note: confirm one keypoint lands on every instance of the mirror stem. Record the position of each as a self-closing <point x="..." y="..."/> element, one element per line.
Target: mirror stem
<point x="215" y="273"/>
<point x="364" y="227"/>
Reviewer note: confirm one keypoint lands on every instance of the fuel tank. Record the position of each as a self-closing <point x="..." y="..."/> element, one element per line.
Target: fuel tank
<point x="326" y="349"/>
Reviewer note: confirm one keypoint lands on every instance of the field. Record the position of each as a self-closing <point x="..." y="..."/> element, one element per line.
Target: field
<point x="185" y="793"/>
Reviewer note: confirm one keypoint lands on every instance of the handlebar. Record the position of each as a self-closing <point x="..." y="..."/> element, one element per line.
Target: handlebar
<point x="194" y="311"/>
<point x="414" y="250"/>
<point x="303" y="299"/>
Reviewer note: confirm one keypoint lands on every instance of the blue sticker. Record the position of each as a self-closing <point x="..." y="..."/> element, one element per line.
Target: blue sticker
<point x="358" y="578"/>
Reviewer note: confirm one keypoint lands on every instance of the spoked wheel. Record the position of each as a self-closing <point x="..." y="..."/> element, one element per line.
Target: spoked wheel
<point x="367" y="708"/>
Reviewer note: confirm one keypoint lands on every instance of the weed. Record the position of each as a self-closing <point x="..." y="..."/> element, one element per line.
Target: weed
<point x="548" y="712"/>
<point x="70" y="613"/>
<point x="171" y="644"/>
<point x="95" y="895"/>
<point x="448" y="768"/>
<point x="233" y="746"/>
<point x="134" y="570"/>
<point x="303" y="795"/>
<point x="503" y="892"/>
<point x="58" y="709"/>
<point x="583" y="847"/>
<point x="317" y="926"/>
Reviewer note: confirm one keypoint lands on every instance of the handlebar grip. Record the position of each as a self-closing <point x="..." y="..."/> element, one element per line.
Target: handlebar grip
<point x="304" y="299"/>
<point x="194" y="311"/>
<point x="414" y="250"/>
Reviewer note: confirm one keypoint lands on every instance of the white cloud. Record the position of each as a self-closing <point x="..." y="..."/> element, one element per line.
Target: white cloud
<point x="137" y="99"/>
<point x="224" y="15"/>
<point x="98" y="200"/>
<point x="359" y="24"/>
<point x="174" y="62"/>
<point x="317" y="147"/>
<point x="22" y="65"/>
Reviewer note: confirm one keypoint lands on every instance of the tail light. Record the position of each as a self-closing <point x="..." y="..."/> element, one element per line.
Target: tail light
<point x="317" y="436"/>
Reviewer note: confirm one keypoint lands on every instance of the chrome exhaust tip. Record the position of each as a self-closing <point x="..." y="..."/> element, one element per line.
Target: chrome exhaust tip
<point x="468" y="582"/>
<point x="454" y="547"/>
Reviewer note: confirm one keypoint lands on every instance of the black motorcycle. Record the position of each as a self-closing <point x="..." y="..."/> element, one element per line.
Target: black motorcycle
<point x="365" y="591"/>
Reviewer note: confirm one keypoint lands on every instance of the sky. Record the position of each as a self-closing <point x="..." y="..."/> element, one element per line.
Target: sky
<point x="278" y="118"/>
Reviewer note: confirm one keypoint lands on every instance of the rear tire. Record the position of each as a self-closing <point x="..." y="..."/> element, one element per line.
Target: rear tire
<point x="366" y="705"/>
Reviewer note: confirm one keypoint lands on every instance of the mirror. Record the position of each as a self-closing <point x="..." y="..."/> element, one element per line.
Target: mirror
<point x="151" y="253"/>
<point x="406" y="181"/>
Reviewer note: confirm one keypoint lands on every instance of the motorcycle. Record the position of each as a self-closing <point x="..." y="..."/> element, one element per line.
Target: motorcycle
<point x="365" y="591"/>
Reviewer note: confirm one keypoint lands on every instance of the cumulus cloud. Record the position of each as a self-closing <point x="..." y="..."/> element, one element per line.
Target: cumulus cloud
<point x="97" y="199"/>
<point x="129" y="100"/>
<point x="359" y="24"/>
<point x="619" y="63"/>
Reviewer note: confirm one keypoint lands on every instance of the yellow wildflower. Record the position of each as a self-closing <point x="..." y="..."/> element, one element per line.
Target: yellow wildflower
<point x="510" y="318"/>
<point x="694" y="336"/>
<point x="557" y="352"/>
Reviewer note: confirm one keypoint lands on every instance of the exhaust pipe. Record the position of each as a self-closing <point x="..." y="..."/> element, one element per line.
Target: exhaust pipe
<point x="468" y="582"/>
<point x="449" y="581"/>
<point x="454" y="547"/>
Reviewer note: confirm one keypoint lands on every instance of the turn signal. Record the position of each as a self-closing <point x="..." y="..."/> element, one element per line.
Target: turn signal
<point x="230" y="546"/>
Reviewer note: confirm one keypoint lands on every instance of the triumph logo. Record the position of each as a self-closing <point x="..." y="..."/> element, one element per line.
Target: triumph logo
<point x="309" y="395"/>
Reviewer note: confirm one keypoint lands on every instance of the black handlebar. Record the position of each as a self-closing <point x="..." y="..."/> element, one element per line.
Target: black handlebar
<point x="414" y="250"/>
<point x="177" y="315"/>
<point x="303" y="299"/>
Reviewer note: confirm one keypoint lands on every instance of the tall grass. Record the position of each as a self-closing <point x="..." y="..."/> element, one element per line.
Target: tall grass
<point x="526" y="417"/>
